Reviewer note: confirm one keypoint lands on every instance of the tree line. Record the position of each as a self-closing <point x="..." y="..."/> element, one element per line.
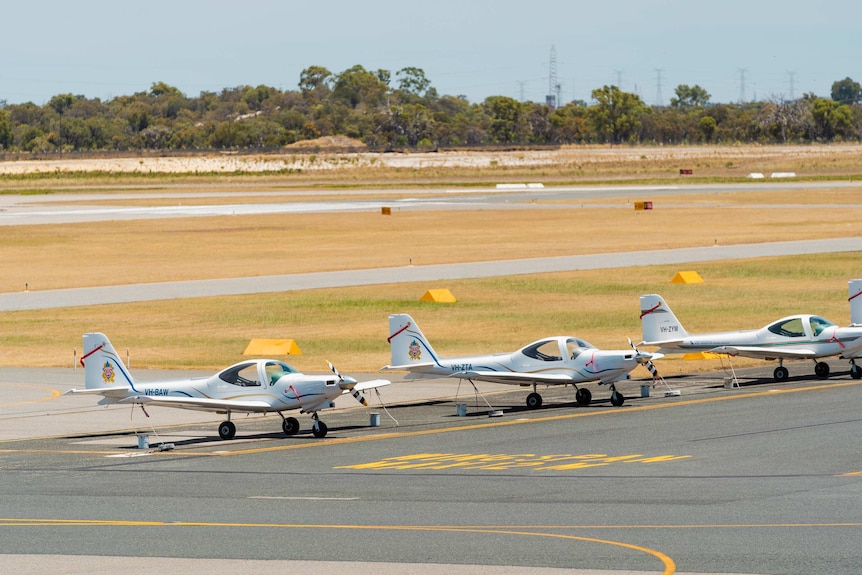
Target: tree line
<point x="405" y="111"/>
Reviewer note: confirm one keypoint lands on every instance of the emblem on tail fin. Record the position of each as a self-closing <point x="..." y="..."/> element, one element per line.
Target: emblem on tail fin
<point x="414" y="351"/>
<point x="108" y="373"/>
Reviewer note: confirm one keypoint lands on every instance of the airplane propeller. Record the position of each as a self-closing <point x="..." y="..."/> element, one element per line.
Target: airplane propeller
<point x="341" y="381"/>
<point x="646" y="359"/>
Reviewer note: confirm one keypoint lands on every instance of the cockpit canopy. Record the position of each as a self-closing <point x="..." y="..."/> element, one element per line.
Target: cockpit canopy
<point x="248" y="374"/>
<point x="551" y="349"/>
<point x="795" y="326"/>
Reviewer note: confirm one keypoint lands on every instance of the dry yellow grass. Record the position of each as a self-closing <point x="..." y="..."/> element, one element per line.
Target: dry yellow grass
<point x="348" y="326"/>
<point x="108" y="253"/>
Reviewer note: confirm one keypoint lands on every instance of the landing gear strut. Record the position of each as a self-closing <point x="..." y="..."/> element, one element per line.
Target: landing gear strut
<point x="855" y="370"/>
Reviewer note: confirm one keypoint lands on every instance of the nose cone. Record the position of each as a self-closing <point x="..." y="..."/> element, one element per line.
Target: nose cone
<point x="347" y="382"/>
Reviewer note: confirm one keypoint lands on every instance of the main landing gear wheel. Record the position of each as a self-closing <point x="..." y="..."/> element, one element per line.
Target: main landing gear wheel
<point x="290" y="425"/>
<point x="855" y="371"/>
<point x="821" y="369"/>
<point x="781" y="373"/>
<point x="534" y="401"/>
<point x="319" y="430"/>
<point x="226" y="430"/>
<point x="617" y="398"/>
<point x="583" y="396"/>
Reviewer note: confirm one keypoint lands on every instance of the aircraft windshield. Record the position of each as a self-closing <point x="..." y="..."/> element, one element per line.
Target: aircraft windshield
<point x="575" y="347"/>
<point x="818" y="324"/>
<point x="276" y="369"/>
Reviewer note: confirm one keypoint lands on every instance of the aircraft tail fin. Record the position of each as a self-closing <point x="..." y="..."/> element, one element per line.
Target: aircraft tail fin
<point x="658" y="321"/>
<point x="408" y="344"/>
<point x="103" y="368"/>
<point x="854" y="288"/>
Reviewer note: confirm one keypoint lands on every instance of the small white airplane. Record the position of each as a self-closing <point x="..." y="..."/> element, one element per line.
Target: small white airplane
<point x="800" y="336"/>
<point x="854" y="289"/>
<point x="253" y="386"/>
<point x="560" y="360"/>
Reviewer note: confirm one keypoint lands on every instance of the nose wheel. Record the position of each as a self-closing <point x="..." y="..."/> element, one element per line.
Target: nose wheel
<point x="318" y="428"/>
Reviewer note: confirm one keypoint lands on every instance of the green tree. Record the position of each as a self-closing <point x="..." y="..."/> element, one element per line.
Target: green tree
<point x="413" y="81"/>
<point x="846" y="91"/>
<point x="507" y="117"/>
<point x="689" y="97"/>
<point x="6" y="138"/>
<point x="831" y="119"/>
<point x="707" y="126"/>
<point x="616" y="115"/>
<point x="357" y="85"/>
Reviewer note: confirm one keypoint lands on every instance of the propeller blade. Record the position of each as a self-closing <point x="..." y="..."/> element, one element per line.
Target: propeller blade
<point x="359" y="397"/>
<point x="335" y="371"/>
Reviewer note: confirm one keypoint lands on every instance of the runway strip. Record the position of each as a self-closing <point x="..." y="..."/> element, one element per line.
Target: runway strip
<point x="48" y="299"/>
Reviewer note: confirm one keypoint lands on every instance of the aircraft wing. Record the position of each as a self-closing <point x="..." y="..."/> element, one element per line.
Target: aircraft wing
<point x="514" y="378"/>
<point x="415" y="370"/>
<point x="363" y="385"/>
<point x="763" y="352"/>
<point x="199" y="403"/>
<point x="117" y="392"/>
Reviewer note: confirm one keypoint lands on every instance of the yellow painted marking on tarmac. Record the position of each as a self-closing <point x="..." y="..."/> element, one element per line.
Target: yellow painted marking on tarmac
<point x="504" y="462"/>
<point x="851" y="474"/>
<point x="668" y="563"/>
<point x="55" y="393"/>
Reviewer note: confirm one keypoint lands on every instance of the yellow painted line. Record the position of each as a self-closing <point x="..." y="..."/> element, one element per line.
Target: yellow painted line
<point x="54" y="393"/>
<point x="852" y="474"/>
<point x="667" y="562"/>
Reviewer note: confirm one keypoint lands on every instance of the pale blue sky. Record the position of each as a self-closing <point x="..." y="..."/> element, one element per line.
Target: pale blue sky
<point x="476" y="48"/>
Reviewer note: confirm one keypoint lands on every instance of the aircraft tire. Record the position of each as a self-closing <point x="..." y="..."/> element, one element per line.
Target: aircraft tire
<point x="534" y="401"/>
<point x="320" y="430"/>
<point x="821" y="370"/>
<point x="290" y="426"/>
<point x="855" y="371"/>
<point x="781" y="373"/>
<point x="227" y="430"/>
<point x="617" y="399"/>
<point x="583" y="396"/>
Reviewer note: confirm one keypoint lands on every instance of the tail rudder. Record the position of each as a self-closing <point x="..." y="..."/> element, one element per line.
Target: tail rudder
<point x="658" y="321"/>
<point x="854" y="288"/>
<point x="102" y="366"/>
<point x="407" y="343"/>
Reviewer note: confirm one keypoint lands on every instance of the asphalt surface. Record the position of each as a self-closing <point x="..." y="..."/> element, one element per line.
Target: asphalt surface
<point x="763" y="478"/>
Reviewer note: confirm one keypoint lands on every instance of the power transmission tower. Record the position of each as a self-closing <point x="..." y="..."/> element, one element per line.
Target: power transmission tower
<point x="619" y="74"/>
<point x="658" y="96"/>
<point x="742" y="72"/>
<point x="791" y="73"/>
<point x="553" y="97"/>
